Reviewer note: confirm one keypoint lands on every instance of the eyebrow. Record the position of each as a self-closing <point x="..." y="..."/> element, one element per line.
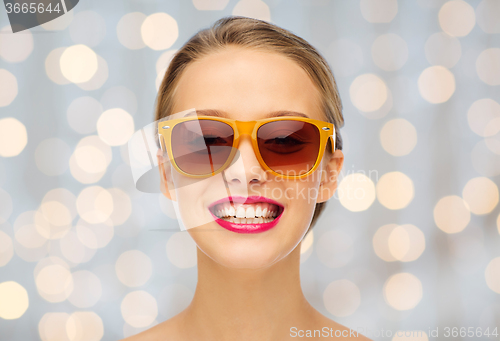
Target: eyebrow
<point x="218" y="113"/>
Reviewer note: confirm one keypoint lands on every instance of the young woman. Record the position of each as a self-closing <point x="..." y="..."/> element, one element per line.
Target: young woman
<point x="250" y="169"/>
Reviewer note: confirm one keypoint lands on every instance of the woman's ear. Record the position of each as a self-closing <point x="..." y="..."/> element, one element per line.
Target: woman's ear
<point x="165" y="177"/>
<point x="329" y="175"/>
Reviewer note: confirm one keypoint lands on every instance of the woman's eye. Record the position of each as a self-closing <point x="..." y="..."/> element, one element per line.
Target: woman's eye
<point x="285" y="140"/>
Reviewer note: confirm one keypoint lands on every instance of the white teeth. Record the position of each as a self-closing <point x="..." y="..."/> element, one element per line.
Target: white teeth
<point x="240" y="212"/>
<point x="250" y="212"/>
<point x="247" y="214"/>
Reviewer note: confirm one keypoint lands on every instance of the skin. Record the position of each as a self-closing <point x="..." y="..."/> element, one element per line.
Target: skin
<point x="248" y="284"/>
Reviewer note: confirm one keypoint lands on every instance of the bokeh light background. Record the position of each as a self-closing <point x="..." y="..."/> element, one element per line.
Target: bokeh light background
<point x="411" y="241"/>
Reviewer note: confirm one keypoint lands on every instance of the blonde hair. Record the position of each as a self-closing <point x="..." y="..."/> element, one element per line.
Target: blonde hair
<point x="257" y="34"/>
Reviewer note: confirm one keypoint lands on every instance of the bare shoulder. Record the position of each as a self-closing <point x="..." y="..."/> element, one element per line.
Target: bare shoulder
<point x="168" y="330"/>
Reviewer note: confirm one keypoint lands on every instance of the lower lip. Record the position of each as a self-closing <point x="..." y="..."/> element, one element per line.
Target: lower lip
<point x="247" y="228"/>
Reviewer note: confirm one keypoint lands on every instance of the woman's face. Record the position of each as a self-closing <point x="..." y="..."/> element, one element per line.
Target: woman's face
<point x="246" y="85"/>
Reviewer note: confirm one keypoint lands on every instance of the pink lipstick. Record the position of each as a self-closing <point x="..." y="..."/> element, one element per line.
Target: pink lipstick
<point x="253" y="214"/>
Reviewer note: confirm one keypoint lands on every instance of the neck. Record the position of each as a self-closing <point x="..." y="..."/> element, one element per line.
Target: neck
<point x="253" y="304"/>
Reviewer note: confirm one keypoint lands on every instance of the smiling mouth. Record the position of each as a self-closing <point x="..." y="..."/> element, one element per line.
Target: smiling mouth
<point x="255" y="213"/>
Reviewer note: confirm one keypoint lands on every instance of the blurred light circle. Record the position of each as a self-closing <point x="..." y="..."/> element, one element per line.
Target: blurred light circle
<point x="403" y="291"/>
<point x="457" y="18"/>
<point x="119" y="97"/>
<point x="181" y="250"/>
<point x="15" y="48"/>
<point x="487" y="13"/>
<point x="6" y="248"/>
<point x="443" y="49"/>
<point x="87" y="289"/>
<point x="115" y="126"/>
<point x="210" y="5"/>
<point x="491" y="274"/>
<point x="488" y="66"/>
<point x="394" y="242"/>
<point x="356" y="192"/>
<point x="133" y="268"/>
<point x="484" y="160"/>
<point x="54" y="283"/>
<point x="65" y="197"/>
<point x="92" y="161"/>
<point x="32" y="254"/>
<point x="481" y="113"/>
<point x="481" y="194"/>
<point x="498" y="224"/>
<point x="52" y="326"/>
<point x="257" y="9"/>
<point x="13" y="136"/>
<point x="52" y="156"/>
<point x="159" y="31"/>
<point x="390" y="52"/>
<point x="83" y="113"/>
<point x="382" y="111"/>
<point x="334" y="248"/>
<point x="52" y="66"/>
<point x="379" y="11"/>
<point x="94" y="236"/>
<point x="342" y="298"/>
<point x="94" y="204"/>
<point x="406" y="242"/>
<point x="436" y="84"/>
<point x="122" y="206"/>
<point x="59" y="23"/>
<point x="129" y="30"/>
<point x="99" y="78"/>
<point x="8" y="87"/>
<point x="6" y="206"/>
<point x="14" y="300"/>
<point x="78" y="63"/>
<point x="395" y="190"/>
<point x="380" y="242"/>
<point x="56" y="213"/>
<point x="346" y="57"/>
<point x="139" y="308"/>
<point x="452" y="214"/>
<point x="164" y="60"/>
<point x="26" y="231"/>
<point x="307" y="242"/>
<point x="88" y="27"/>
<point x="398" y="137"/>
<point x="493" y="128"/>
<point x="84" y="326"/>
<point x="73" y="249"/>
<point x="368" y="92"/>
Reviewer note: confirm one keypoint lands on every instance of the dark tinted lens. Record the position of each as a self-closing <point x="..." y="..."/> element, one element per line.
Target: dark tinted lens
<point x="201" y="147"/>
<point x="289" y="147"/>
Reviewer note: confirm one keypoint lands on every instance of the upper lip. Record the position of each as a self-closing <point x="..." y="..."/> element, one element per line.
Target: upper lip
<point x="242" y="200"/>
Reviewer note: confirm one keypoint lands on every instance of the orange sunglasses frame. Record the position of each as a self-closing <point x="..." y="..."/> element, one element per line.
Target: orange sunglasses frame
<point x="240" y="128"/>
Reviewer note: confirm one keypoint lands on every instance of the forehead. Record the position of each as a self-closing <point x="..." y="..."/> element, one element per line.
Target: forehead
<point x="247" y="84"/>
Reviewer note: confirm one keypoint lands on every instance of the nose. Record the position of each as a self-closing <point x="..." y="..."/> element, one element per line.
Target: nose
<point x="246" y="169"/>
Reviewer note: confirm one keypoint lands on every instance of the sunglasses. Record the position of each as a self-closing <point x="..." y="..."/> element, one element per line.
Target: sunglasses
<point x="290" y="147"/>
